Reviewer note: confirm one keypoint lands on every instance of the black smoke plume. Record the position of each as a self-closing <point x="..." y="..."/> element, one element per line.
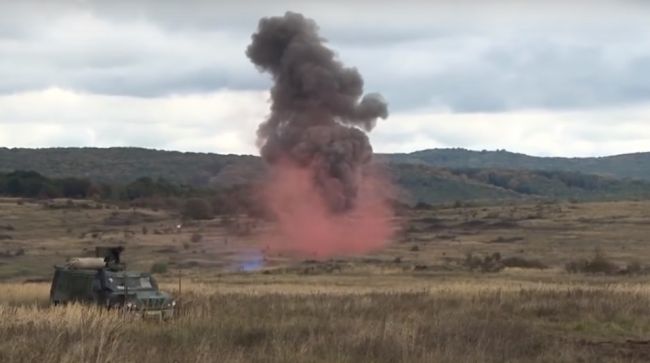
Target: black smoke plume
<point x="319" y="115"/>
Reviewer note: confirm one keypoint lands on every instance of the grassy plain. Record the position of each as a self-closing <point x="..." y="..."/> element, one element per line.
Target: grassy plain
<point x="421" y="299"/>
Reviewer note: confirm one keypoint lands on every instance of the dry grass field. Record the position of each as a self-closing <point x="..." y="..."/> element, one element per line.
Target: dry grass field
<point x="458" y="284"/>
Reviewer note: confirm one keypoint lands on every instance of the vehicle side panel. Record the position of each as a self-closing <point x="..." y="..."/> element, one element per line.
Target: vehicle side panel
<point x="70" y="286"/>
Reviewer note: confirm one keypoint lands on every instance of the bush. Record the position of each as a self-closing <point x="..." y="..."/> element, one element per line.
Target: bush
<point x="598" y="264"/>
<point x="521" y="262"/>
<point x="489" y="263"/>
<point x="159" y="268"/>
<point x="633" y="268"/>
<point x="12" y="253"/>
<point x="575" y="266"/>
<point x="423" y="206"/>
<point x="197" y="209"/>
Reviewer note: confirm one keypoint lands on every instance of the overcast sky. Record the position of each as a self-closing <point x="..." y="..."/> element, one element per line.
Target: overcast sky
<point x="568" y="78"/>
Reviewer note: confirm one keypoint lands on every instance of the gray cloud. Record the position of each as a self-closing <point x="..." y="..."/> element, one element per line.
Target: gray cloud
<point x="464" y="57"/>
<point x="514" y="74"/>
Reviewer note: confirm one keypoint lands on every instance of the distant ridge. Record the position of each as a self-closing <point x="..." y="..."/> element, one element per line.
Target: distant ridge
<point x="125" y="164"/>
<point x="431" y="176"/>
<point x="625" y="166"/>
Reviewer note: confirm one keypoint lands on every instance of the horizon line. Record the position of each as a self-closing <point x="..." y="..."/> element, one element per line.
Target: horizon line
<point x="374" y="153"/>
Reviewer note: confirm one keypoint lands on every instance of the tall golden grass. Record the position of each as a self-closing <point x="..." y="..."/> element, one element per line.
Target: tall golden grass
<point x="462" y="321"/>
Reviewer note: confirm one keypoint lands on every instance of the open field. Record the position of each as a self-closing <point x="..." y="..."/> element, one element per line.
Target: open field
<point x="435" y="294"/>
<point x="36" y="235"/>
<point x="491" y="320"/>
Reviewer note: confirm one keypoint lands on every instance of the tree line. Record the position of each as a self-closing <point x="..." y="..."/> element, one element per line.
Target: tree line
<point x="192" y="202"/>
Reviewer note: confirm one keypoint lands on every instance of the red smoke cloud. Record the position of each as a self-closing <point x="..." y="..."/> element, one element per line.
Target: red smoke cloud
<point x="307" y="226"/>
<point x="316" y="144"/>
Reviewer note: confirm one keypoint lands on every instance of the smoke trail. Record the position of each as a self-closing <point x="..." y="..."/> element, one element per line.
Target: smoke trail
<point x="315" y="137"/>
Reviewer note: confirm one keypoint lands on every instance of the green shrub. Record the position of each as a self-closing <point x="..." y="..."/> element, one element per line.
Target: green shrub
<point x="489" y="263"/>
<point x="598" y="264"/>
<point x="197" y="209"/>
<point x="633" y="268"/>
<point x="159" y="268"/>
<point x="521" y="262"/>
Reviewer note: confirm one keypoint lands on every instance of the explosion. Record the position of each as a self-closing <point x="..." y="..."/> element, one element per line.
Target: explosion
<point x="320" y="189"/>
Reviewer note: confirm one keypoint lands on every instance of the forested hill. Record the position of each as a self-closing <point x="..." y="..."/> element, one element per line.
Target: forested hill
<point x="120" y="165"/>
<point x="632" y="166"/>
<point x="430" y="176"/>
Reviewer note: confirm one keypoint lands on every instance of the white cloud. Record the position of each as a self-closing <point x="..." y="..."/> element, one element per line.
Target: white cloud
<point x="225" y="122"/>
<point x="599" y="132"/>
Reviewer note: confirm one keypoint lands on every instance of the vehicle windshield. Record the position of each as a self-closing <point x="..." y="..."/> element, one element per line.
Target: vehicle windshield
<point x="143" y="282"/>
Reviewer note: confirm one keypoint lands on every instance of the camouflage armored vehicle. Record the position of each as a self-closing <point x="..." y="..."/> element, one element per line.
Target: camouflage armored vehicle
<point x="103" y="281"/>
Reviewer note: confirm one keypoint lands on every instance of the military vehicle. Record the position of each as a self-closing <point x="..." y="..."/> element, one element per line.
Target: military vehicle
<point x="103" y="280"/>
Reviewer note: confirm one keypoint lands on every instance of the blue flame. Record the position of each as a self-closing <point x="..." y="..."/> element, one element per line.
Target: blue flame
<point x="253" y="261"/>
